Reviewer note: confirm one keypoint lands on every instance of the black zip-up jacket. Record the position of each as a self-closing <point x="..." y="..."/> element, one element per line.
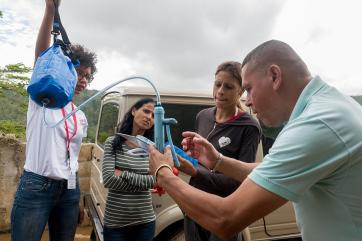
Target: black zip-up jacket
<point x="237" y="138"/>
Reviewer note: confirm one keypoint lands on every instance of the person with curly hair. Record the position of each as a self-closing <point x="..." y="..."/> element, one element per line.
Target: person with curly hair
<point x="48" y="191"/>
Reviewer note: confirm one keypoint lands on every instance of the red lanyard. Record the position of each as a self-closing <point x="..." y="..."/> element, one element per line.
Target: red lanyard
<point x="67" y="131"/>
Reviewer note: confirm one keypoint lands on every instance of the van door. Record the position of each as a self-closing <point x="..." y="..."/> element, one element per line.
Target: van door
<point x="281" y="222"/>
<point x="107" y="123"/>
<point x="167" y="211"/>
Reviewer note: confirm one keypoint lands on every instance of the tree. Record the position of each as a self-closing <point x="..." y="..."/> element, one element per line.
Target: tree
<point x="13" y="98"/>
<point x="14" y="77"/>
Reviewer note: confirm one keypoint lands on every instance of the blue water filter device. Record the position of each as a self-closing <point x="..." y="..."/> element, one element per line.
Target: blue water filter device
<point x="159" y="131"/>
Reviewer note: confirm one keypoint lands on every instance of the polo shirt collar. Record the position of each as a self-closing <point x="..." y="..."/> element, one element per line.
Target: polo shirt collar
<point x="309" y="90"/>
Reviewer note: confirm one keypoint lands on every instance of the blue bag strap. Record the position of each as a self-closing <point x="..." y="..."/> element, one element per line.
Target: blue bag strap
<point x="58" y="26"/>
<point x="58" y="29"/>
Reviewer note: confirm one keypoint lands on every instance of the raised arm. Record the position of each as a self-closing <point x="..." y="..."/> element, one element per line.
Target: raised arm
<point x="44" y="35"/>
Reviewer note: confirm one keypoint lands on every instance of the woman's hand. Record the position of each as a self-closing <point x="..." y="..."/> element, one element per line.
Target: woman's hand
<point x="186" y="167"/>
<point x="50" y="3"/>
<point x="117" y="172"/>
<point x="199" y="148"/>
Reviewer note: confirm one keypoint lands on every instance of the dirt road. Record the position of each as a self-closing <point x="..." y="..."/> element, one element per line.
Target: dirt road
<point x="82" y="234"/>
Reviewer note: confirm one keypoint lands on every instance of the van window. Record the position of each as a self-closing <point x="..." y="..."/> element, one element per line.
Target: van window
<point x="108" y="122"/>
<point x="185" y="115"/>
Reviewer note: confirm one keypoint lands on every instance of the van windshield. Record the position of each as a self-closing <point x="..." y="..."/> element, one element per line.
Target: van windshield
<point x="185" y="115"/>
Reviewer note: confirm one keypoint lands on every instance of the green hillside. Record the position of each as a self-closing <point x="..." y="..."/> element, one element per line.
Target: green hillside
<point x="358" y="99"/>
<point x="14" y="103"/>
<point x="14" y="106"/>
<point x="91" y="110"/>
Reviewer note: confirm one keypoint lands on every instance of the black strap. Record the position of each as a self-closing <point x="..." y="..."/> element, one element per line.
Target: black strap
<point x="58" y="29"/>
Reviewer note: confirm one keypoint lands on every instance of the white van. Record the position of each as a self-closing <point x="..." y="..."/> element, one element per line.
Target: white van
<point x="279" y="225"/>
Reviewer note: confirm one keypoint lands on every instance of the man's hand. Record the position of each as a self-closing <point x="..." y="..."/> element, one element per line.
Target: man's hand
<point x="199" y="148"/>
<point x="157" y="158"/>
<point x="186" y="167"/>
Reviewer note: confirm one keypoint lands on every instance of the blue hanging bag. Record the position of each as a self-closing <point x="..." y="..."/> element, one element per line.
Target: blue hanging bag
<point x="54" y="78"/>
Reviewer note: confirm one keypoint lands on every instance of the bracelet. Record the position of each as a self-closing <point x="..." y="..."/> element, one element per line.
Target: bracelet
<point x="218" y="162"/>
<point x="160" y="167"/>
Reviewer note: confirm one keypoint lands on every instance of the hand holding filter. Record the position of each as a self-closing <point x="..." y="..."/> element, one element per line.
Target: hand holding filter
<point x="160" y="123"/>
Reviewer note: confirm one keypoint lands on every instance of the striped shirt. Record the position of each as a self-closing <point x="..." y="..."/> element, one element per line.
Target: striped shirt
<point x="129" y="200"/>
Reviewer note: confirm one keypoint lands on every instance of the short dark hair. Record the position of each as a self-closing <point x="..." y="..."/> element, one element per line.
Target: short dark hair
<point x="126" y="125"/>
<point x="86" y="58"/>
<point x="233" y="68"/>
<point x="259" y="53"/>
<point x="278" y="52"/>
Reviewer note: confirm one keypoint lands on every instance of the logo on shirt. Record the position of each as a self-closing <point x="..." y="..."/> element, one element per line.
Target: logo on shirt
<point x="83" y="122"/>
<point x="224" y="141"/>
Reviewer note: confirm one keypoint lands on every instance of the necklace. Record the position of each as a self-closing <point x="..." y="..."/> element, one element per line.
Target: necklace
<point x="230" y="118"/>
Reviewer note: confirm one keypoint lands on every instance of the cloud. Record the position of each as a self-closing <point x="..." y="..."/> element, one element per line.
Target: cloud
<point x="328" y="38"/>
<point x="12" y="27"/>
<point x="178" y="43"/>
<point x="18" y="28"/>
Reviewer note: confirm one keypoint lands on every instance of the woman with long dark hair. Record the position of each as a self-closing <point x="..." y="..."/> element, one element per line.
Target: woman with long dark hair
<point x="129" y="214"/>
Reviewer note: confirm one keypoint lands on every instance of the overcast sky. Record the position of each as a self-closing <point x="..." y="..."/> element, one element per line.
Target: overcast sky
<point x="179" y="43"/>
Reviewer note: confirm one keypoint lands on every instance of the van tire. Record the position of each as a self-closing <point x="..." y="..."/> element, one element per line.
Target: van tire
<point x="174" y="232"/>
<point x="93" y="236"/>
<point x="178" y="236"/>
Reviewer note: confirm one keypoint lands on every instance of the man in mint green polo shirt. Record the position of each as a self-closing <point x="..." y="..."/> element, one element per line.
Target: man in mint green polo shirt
<point x="315" y="162"/>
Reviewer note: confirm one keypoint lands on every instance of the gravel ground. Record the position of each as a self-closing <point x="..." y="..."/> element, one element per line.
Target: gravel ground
<point x="82" y="234"/>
